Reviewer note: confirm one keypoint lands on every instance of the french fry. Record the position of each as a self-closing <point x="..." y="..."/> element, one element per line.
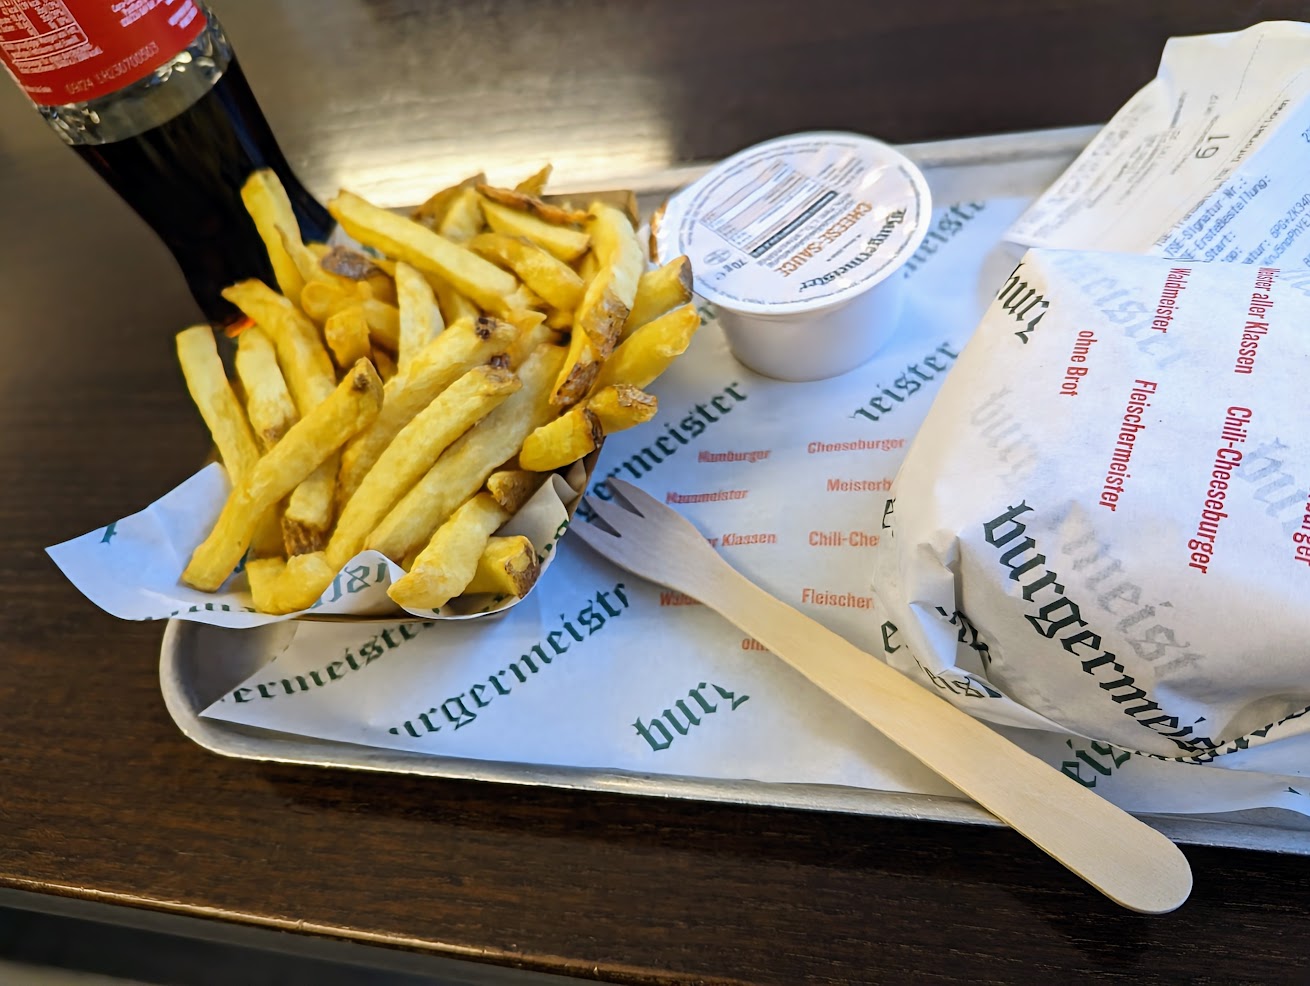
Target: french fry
<point x="323" y="299"/>
<point x="621" y="406"/>
<point x="266" y="201"/>
<point x="386" y="366"/>
<point x="218" y="405"/>
<point x="351" y="265"/>
<point x="449" y="562"/>
<point x="303" y="359"/>
<point x="533" y="332"/>
<point x="268" y="402"/>
<point x="587" y="266"/>
<point x="566" y="439"/>
<point x="561" y="321"/>
<point x="346" y="334"/>
<point x="508" y="567"/>
<point x="559" y="241"/>
<point x="444" y="360"/>
<point x="262" y="574"/>
<point x="418" y="445"/>
<point x="647" y="353"/>
<point x="553" y="280"/>
<point x="420" y="319"/>
<point x="617" y="250"/>
<point x="309" y="375"/>
<point x="483" y="282"/>
<point x="432" y="212"/>
<point x="529" y="203"/>
<point x="301" y="582"/>
<point x="465" y="466"/>
<point x="605" y="305"/>
<point x="659" y="291"/>
<point x="463" y="220"/>
<point x="454" y="306"/>
<point x="351" y="406"/>
<point x="512" y="488"/>
<point x="534" y="184"/>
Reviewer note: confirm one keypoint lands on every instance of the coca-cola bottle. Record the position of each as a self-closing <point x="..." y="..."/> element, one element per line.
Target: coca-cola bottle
<point x="149" y="93"/>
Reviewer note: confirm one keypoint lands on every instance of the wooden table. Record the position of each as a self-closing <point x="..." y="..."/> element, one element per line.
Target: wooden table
<point x="102" y="799"/>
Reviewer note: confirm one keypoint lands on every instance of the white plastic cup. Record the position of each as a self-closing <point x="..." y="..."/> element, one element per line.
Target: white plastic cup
<point x="798" y="242"/>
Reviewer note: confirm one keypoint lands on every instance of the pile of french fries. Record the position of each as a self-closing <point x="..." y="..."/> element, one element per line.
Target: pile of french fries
<point x="411" y="398"/>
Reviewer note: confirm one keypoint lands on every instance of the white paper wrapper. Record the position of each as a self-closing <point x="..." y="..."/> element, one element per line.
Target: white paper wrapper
<point x="792" y="480"/>
<point x="130" y="568"/>
<point x="1103" y="526"/>
<point x="1209" y="161"/>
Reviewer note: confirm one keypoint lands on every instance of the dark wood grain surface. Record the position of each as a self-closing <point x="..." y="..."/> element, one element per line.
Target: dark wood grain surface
<point x="101" y="798"/>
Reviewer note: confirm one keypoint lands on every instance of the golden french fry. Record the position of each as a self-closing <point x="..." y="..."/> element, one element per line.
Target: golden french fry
<point x="268" y="402"/>
<point x="299" y="585"/>
<point x="307" y="520"/>
<point x="386" y="366"/>
<point x="383" y="322"/>
<point x="266" y="201"/>
<point x="494" y="289"/>
<point x="444" y="360"/>
<point x="432" y="212"/>
<point x="618" y="251"/>
<point x="463" y="219"/>
<point x="346" y="333"/>
<point x="418" y="445"/>
<point x="529" y="203"/>
<point x="454" y="306"/>
<point x="351" y="406"/>
<point x="508" y="567"/>
<point x="533" y="332"/>
<point x="647" y="353"/>
<point x="465" y="466"/>
<point x="304" y="361"/>
<point x="579" y="372"/>
<point x="659" y="291"/>
<point x="218" y="405"/>
<point x="449" y="562"/>
<point x="562" y="441"/>
<point x="319" y="250"/>
<point x="351" y="265"/>
<point x="311" y="379"/>
<point x="621" y="406"/>
<point x="605" y="304"/>
<point x="533" y="184"/>
<point x="560" y="321"/>
<point x="262" y="574"/>
<point x="323" y="299"/>
<point x="554" y="280"/>
<point x="559" y="241"/>
<point x="514" y="487"/>
<point x="587" y="266"/>
<point x="420" y="319"/>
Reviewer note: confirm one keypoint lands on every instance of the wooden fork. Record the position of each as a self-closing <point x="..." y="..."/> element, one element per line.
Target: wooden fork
<point x="1120" y="856"/>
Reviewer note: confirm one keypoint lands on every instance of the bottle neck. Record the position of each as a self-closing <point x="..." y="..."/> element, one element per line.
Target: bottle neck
<point x="168" y="91"/>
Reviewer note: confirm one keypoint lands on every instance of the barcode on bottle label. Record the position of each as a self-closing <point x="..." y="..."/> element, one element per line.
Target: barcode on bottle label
<point x="58" y="58"/>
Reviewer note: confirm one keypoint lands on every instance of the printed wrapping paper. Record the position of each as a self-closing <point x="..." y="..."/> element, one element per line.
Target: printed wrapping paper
<point x="597" y="669"/>
<point x="1103" y="526"/>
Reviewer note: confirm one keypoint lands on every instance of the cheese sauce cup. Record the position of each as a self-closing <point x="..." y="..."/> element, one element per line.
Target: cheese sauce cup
<point x="798" y="242"/>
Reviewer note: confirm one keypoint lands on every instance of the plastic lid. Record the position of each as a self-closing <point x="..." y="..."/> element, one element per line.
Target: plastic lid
<point x="798" y="223"/>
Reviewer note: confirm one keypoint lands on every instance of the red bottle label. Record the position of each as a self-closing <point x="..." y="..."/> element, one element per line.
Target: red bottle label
<point x="60" y="55"/>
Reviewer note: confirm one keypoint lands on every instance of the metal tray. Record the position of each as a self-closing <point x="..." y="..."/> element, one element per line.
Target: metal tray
<point x="199" y="663"/>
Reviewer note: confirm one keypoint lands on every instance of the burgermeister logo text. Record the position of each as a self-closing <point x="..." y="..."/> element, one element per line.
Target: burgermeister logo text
<point x="870" y="248"/>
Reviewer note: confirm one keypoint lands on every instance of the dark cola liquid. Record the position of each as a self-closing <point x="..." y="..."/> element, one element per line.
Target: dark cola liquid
<point x="184" y="178"/>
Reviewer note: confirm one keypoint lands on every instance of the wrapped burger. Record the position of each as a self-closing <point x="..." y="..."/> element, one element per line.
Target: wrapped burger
<point x="1103" y="526"/>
